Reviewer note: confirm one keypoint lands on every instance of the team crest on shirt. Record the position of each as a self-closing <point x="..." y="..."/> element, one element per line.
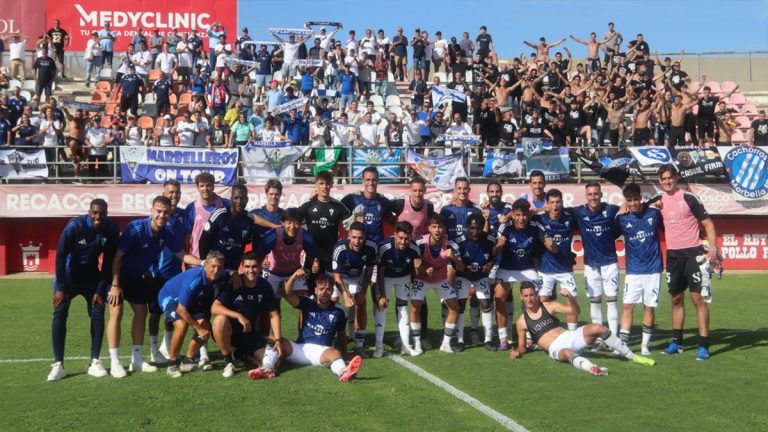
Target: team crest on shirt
<point x="103" y="240"/>
<point x="332" y="317"/>
<point x="330" y="211"/>
<point x="259" y="296"/>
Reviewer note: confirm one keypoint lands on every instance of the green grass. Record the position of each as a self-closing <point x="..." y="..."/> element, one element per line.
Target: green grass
<point x="725" y="393"/>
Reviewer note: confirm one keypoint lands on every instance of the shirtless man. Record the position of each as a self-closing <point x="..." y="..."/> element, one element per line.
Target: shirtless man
<point x="528" y="85"/>
<point x="76" y="138"/>
<point x="677" y="113"/>
<point x="593" y="46"/>
<point x="641" y="133"/>
<point x="542" y="49"/>
<point x="616" y="117"/>
<point x="540" y="320"/>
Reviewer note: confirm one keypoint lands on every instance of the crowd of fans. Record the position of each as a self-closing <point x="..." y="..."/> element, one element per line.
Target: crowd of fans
<point x="213" y="89"/>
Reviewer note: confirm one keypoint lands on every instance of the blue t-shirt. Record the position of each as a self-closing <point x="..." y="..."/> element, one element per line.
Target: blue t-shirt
<point x="162" y="89"/>
<point x="456" y="218"/>
<point x="142" y="247"/>
<point x="5" y="126"/>
<point x="400" y="50"/>
<point x="228" y="235"/>
<point x="641" y="241"/>
<point x="265" y="63"/>
<point x="107" y="44"/>
<point x="296" y="130"/>
<point x="16" y="105"/>
<point x="520" y="248"/>
<point x="192" y="290"/>
<point x="253" y="303"/>
<point x="307" y="81"/>
<point x="495" y="212"/>
<point x="347" y="83"/>
<point x="397" y="263"/>
<point x="130" y="83"/>
<point x="78" y="251"/>
<point x="474" y="255"/>
<point x="320" y="325"/>
<point x="349" y="263"/>
<point x="561" y="231"/>
<point x="168" y="264"/>
<point x="258" y="230"/>
<point x="598" y="233"/>
<point x="374" y="213"/>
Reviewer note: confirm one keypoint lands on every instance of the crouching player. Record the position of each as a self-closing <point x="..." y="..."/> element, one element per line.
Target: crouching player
<point x="236" y="314"/>
<point x="322" y="320"/>
<point x="539" y="318"/>
<point x="186" y="300"/>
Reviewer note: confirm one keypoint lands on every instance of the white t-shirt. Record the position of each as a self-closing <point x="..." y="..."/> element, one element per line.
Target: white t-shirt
<point x="290" y="52"/>
<point x="97" y="138"/>
<point x="186" y="131"/>
<point x="166" y="138"/>
<point x="368" y="132"/>
<point x="167" y="62"/>
<point x="270" y="135"/>
<point x="125" y="60"/>
<point x="368" y="45"/>
<point x="95" y="47"/>
<point x="185" y="57"/>
<point x="16" y="50"/>
<point x="316" y="130"/>
<point x="340" y="134"/>
<point x="50" y="139"/>
<point x="133" y="136"/>
<point x="412" y="129"/>
<point x="439" y="49"/>
<point x="221" y="60"/>
<point x="142" y="61"/>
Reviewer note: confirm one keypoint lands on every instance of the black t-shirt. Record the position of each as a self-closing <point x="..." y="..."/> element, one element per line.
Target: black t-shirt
<point x="323" y="220"/>
<point x="707" y="108"/>
<point x="760" y="128"/>
<point x="251" y="302"/>
<point x="46" y="69"/>
<point x="418" y="48"/>
<point x="575" y="118"/>
<point x="678" y="79"/>
<point x="488" y="126"/>
<point x="507" y="131"/>
<point x="642" y="47"/>
<point x="484" y="42"/>
<point x="394" y="134"/>
<point x="420" y="87"/>
<point x="559" y="136"/>
<point x="57" y="37"/>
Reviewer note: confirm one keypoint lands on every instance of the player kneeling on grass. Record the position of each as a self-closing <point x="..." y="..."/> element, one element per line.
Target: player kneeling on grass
<point x="186" y="300"/>
<point x="539" y="320"/>
<point x="236" y="314"/>
<point x="322" y="320"/>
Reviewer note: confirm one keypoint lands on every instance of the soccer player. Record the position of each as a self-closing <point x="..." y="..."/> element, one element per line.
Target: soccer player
<point x="538" y="183"/>
<point x="284" y="245"/>
<point x="540" y="319"/>
<point x="83" y="241"/>
<point x="269" y="215"/>
<point x="557" y="260"/>
<point x="495" y="209"/>
<point x="476" y="251"/>
<point x="167" y="266"/>
<point x="596" y="222"/>
<point x="229" y="231"/>
<point x="186" y="300"/>
<point x="374" y="207"/>
<point x="643" y="253"/>
<point x="415" y="209"/>
<point x="199" y="211"/>
<point x="433" y="274"/>
<point x="456" y="213"/>
<point x="398" y="257"/>
<point x="518" y="243"/>
<point x="138" y="248"/>
<point x="353" y="262"/>
<point x="323" y="319"/>
<point x="682" y="213"/>
<point x="236" y="314"/>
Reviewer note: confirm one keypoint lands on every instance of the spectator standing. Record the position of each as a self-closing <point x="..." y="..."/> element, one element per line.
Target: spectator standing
<point x="92" y="56"/>
<point x="60" y="40"/>
<point x="400" y="51"/>
<point x="45" y="74"/>
<point x="156" y="44"/>
<point x="131" y="84"/>
<point x="107" y="37"/>
<point x="16" y="47"/>
<point x="214" y="34"/>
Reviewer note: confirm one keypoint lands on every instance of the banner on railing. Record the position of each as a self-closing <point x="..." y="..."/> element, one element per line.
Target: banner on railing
<point x="264" y="160"/>
<point x="616" y="168"/>
<point x="441" y="172"/>
<point x="504" y="163"/>
<point x="532" y="146"/>
<point x="554" y="163"/>
<point x="694" y="161"/>
<point x="441" y="94"/>
<point x="158" y="164"/>
<point x="747" y="168"/>
<point x="651" y="155"/>
<point x="23" y="163"/>
<point x="386" y="163"/>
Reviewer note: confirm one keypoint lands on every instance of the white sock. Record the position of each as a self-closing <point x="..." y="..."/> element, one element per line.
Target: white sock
<point x="474" y="317"/>
<point x="270" y="358"/>
<point x="612" y="310"/>
<point x="416" y="330"/>
<point x="338" y="367"/>
<point x="381" y="320"/>
<point x="167" y="334"/>
<point x="573" y="326"/>
<point x="204" y="351"/>
<point x="502" y="333"/>
<point x="450" y="330"/>
<point x="153" y="343"/>
<point x="460" y="328"/>
<point x="596" y="311"/>
<point x="114" y="355"/>
<point x="136" y="357"/>
<point x="614" y="342"/>
<point x="647" y="333"/>
<point x="488" y="325"/>
<point x="582" y="363"/>
<point x="402" y="324"/>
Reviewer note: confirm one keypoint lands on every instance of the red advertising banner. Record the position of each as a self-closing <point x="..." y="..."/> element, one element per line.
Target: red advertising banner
<point x="23" y="16"/>
<point x="81" y="17"/>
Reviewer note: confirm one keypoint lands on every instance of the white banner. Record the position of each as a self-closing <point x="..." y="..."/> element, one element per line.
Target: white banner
<point x="288" y="106"/>
<point x="266" y="160"/>
<point x="23" y="164"/>
<point x="442" y="172"/>
<point x="236" y="61"/>
<point x="440" y="95"/>
<point x="309" y="62"/>
<point x="651" y="155"/>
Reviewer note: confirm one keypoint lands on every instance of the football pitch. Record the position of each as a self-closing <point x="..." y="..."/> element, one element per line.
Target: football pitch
<point x="534" y="393"/>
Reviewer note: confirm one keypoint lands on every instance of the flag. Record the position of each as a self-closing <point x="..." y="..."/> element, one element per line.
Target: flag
<point x="615" y="168"/>
<point x="553" y="163"/>
<point x="693" y="161"/>
<point x="439" y="171"/>
<point x="440" y="95"/>
<point x="292" y="104"/>
<point x="532" y="146"/>
<point x="651" y="155"/>
<point x="326" y="158"/>
<point x="236" y="61"/>
<point x="265" y="160"/>
<point x="504" y="163"/>
<point x="747" y="168"/>
<point x="387" y="165"/>
<point x="22" y="163"/>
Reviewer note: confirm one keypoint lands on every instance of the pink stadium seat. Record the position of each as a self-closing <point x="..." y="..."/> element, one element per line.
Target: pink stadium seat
<point x="715" y="86"/>
<point x="727" y="86"/>
<point x="738" y="136"/>
<point x="737" y="98"/>
<point x="694" y="86"/>
<point x="749" y="109"/>
<point x="732" y="107"/>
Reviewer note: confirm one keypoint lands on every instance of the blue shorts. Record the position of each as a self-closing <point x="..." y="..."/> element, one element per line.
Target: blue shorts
<point x="87" y="290"/>
<point x="169" y="305"/>
<point x="135" y="290"/>
<point x="262" y="80"/>
<point x="248" y="343"/>
<point x="419" y="62"/>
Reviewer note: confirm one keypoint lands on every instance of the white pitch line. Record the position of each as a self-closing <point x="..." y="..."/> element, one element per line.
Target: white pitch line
<point x="41" y="360"/>
<point x="469" y="400"/>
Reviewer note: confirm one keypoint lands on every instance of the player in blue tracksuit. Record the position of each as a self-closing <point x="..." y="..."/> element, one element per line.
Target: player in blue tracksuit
<point x="186" y="301"/>
<point x="83" y="241"/>
<point x="596" y="223"/>
<point x="456" y="213"/>
<point x="323" y="319"/>
<point x="270" y="215"/>
<point x="557" y="260"/>
<point x="644" y="266"/>
<point x="375" y="208"/>
<point x="139" y="247"/>
<point x="229" y="231"/>
<point x="475" y="249"/>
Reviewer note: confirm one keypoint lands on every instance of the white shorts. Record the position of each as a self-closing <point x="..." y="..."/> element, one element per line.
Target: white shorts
<point x="402" y="286"/>
<point x="512" y="276"/>
<point x="443" y="289"/>
<point x="278" y="283"/>
<point x="566" y="280"/>
<point x="642" y="288"/>
<point x="353" y="285"/>
<point x="482" y="288"/>
<point x="602" y="279"/>
<point x="306" y="354"/>
<point x="570" y="339"/>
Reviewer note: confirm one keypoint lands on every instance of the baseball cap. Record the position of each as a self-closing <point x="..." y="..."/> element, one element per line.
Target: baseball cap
<point x="167" y="117"/>
<point x="245" y="29"/>
<point x="322" y="28"/>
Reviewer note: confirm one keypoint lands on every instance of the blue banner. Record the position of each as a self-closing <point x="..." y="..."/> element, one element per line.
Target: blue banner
<point x="747" y="168"/>
<point x="158" y="164"/>
<point x="387" y="164"/>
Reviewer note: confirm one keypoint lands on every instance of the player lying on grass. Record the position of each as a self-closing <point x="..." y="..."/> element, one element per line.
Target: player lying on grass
<point x="322" y="320"/>
<point x="540" y="320"/>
